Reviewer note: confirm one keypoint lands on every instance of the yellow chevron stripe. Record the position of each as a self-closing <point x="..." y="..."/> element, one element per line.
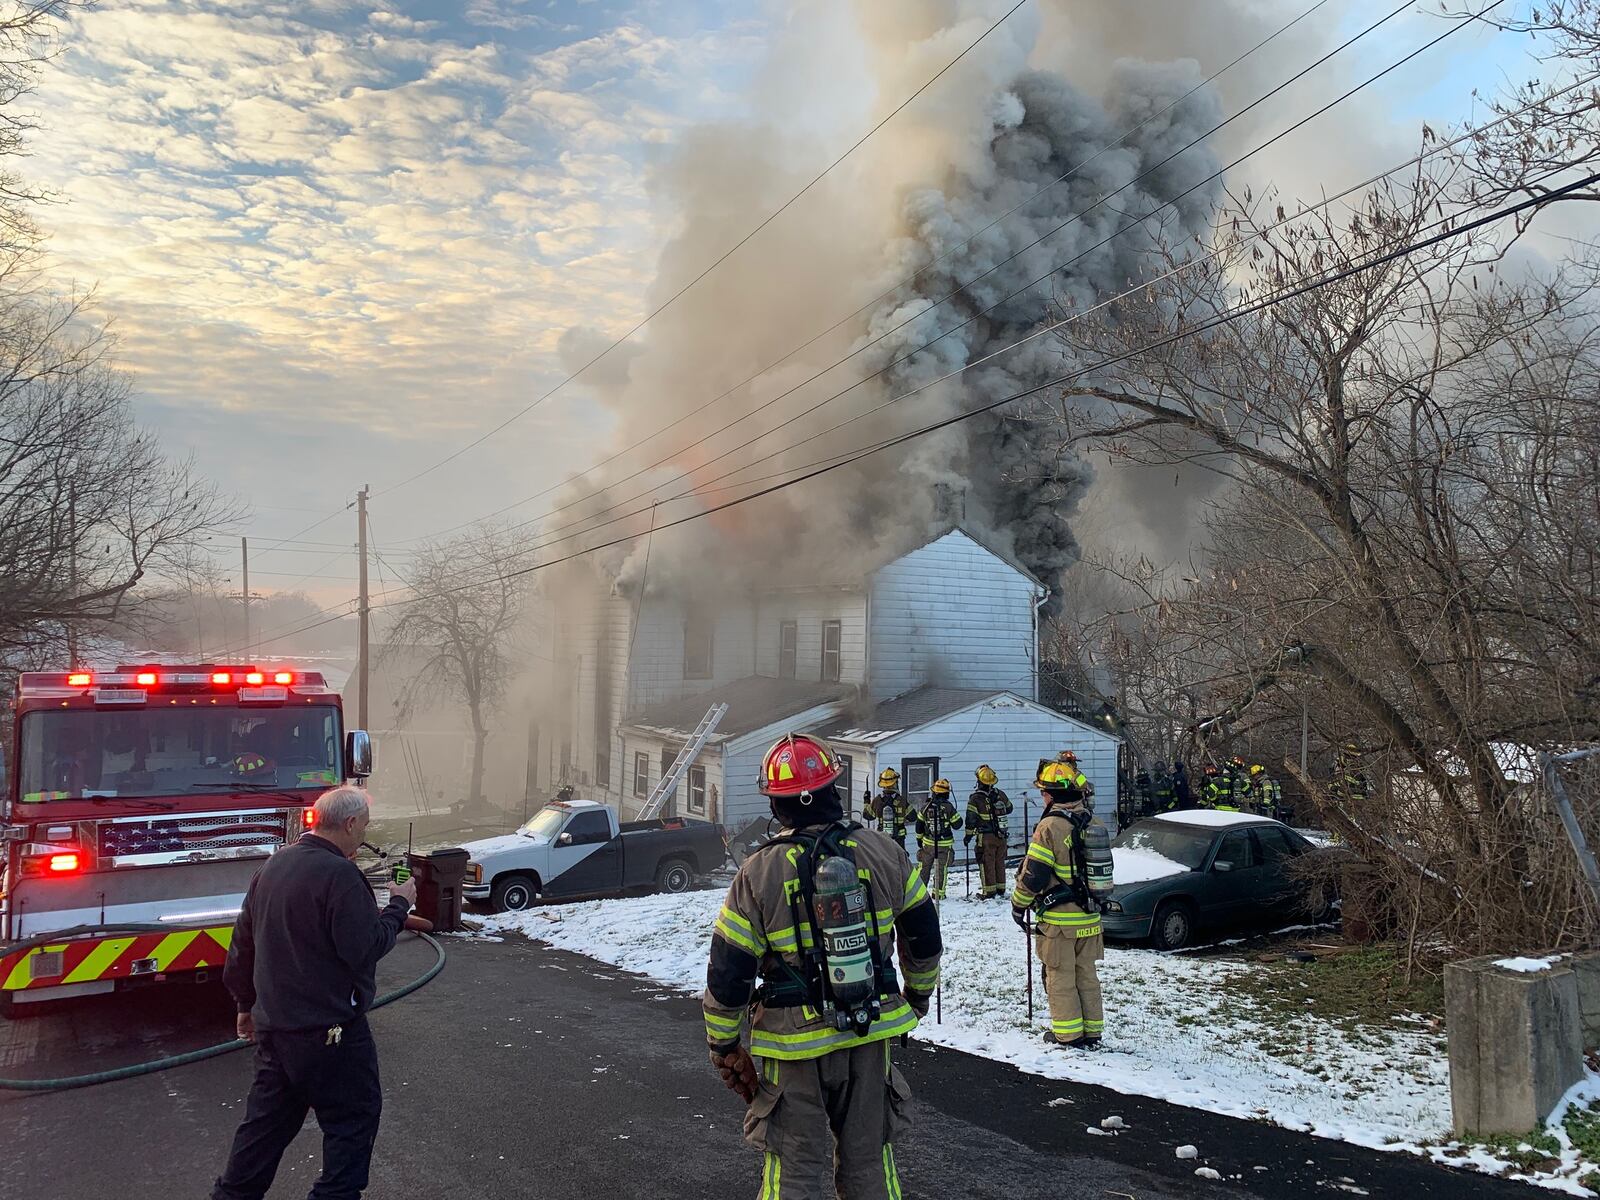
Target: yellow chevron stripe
<point x="21" y="974"/>
<point x="223" y="936"/>
<point x="171" y="946"/>
<point x="98" y="960"/>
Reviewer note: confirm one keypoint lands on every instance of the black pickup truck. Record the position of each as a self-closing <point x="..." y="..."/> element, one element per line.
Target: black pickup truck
<point x="576" y="849"/>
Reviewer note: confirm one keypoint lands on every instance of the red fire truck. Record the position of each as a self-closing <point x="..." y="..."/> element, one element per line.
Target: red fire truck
<point x="138" y="804"/>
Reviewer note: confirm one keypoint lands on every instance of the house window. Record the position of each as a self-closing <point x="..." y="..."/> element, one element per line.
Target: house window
<point x="697" y="648"/>
<point x="641" y="774"/>
<point x="788" y="647"/>
<point x="697" y="790"/>
<point x="916" y="779"/>
<point x="602" y="769"/>
<point x="832" y="636"/>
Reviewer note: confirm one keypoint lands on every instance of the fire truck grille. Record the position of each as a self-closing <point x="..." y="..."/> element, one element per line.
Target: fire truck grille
<point x="234" y="831"/>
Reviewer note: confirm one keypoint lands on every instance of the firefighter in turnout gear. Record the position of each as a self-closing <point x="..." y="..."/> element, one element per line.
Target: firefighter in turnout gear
<point x="1162" y="795"/>
<point x="1213" y="788"/>
<point x="889" y="810"/>
<point x="1077" y="778"/>
<point x="987" y="810"/>
<point x="1349" y="783"/>
<point x="1051" y="882"/>
<point x="1271" y="792"/>
<point x="826" y="1105"/>
<point x="937" y="823"/>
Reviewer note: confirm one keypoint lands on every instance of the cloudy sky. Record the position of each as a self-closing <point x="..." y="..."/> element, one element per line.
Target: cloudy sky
<point x="338" y="240"/>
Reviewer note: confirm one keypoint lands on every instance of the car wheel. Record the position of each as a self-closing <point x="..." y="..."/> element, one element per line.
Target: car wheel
<point x="1172" y="928"/>
<point x="514" y="893"/>
<point x="674" y="876"/>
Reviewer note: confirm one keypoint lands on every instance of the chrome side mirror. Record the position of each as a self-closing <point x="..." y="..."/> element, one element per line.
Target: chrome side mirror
<point x="564" y="840"/>
<point x="357" y="754"/>
<point x="1222" y="866"/>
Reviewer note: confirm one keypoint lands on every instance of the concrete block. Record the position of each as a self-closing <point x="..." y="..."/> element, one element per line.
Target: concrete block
<point x="1516" y="1042"/>
<point x="1586" y="965"/>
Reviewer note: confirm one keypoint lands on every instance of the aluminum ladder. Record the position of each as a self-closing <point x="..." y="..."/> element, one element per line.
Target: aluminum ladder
<point x="668" y="783"/>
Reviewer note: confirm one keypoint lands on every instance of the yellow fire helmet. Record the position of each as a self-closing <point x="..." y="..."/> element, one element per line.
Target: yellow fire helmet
<point x="888" y="778"/>
<point x="1055" y="775"/>
<point x="941" y="787"/>
<point x="986" y="776"/>
<point x="1256" y="768"/>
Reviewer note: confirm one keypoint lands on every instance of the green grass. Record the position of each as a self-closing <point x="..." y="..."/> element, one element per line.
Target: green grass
<point x="1583" y="1127"/>
<point x="1532" y="1151"/>
<point x="1357" y="989"/>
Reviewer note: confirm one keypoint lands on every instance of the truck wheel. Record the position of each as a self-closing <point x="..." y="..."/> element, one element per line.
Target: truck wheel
<point x="1173" y="926"/>
<point x="514" y="893"/>
<point x="674" y="875"/>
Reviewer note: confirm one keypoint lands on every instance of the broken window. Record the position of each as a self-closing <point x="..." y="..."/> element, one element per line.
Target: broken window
<point x="697" y="632"/>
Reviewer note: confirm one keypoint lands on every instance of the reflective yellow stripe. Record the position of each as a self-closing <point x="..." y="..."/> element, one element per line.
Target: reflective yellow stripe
<point x="771" y="1177"/>
<point x="916" y="891"/>
<point x="171" y="946"/>
<point x="737" y="930"/>
<point x="723" y="1023"/>
<point x="98" y="960"/>
<point x="223" y="936"/>
<point x="22" y="974"/>
<point x="923" y="981"/>
<point x="1041" y="854"/>
<point x="811" y="1043"/>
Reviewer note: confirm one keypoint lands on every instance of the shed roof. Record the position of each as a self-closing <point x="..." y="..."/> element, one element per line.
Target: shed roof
<point x="909" y="711"/>
<point x="754" y="702"/>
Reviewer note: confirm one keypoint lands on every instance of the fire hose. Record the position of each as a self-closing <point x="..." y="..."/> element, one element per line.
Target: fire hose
<point x="192" y="1056"/>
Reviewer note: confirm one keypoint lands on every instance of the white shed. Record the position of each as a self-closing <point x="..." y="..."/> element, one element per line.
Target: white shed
<point x="935" y="732"/>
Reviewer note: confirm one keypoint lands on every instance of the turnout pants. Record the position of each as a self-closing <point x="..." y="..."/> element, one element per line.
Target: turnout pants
<point x="1072" y="982"/>
<point x="826" y="1126"/>
<point x="992" y="860"/>
<point x="935" y="864"/>
<point x="304" y="1071"/>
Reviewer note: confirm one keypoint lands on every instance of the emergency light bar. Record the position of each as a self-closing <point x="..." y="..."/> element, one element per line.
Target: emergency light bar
<point x="126" y="685"/>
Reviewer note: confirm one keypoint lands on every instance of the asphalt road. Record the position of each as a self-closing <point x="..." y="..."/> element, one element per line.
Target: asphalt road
<point x="528" y="1072"/>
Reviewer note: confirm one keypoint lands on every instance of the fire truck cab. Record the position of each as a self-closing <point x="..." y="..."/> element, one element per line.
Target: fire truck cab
<point x="138" y="804"/>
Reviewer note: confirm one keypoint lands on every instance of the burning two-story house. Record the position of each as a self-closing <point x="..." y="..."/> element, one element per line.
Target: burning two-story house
<point x="926" y="662"/>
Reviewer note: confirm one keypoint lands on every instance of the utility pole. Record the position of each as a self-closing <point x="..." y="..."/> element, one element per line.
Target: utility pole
<point x="1305" y="734"/>
<point x="72" y="572"/>
<point x="364" y="606"/>
<point x="244" y="548"/>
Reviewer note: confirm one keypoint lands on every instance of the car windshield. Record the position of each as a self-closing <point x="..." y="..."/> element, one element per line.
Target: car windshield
<point x="79" y="753"/>
<point x="544" y="823"/>
<point x="1186" y="846"/>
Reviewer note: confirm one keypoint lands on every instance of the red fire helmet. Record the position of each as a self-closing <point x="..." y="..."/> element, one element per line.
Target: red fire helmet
<point x="796" y="764"/>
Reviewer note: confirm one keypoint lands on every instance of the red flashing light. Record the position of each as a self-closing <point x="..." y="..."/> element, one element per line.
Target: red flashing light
<point x="255" y="677"/>
<point x="80" y="679"/>
<point x="63" y="863"/>
<point x="309" y="816"/>
<point x="283" y="677"/>
<point x="221" y="677"/>
<point x="145" y="679"/>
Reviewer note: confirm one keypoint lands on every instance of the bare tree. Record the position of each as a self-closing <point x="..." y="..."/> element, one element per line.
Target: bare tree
<point x="1408" y="538"/>
<point x="464" y="619"/>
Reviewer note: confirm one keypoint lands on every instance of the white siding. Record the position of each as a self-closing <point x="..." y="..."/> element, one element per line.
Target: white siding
<point x="808" y="610"/>
<point x="1011" y="735"/>
<point x="953" y="614"/>
<point x="657" y="658"/>
<point x="634" y="742"/>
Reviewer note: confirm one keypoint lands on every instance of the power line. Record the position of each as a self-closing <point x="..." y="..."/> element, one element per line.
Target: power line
<point x="729" y="253"/>
<point x="887" y="292"/>
<point x="1452" y="231"/>
<point x="686" y="473"/>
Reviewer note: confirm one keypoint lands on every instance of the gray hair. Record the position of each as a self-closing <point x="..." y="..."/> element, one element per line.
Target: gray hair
<point x="337" y="805"/>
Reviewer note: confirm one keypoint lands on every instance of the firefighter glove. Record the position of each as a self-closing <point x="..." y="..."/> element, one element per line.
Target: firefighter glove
<point x="918" y="1001"/>
<point x="967" y="841"/>
<point x="1020" y="916"/>
<point x="738" y="1071"/>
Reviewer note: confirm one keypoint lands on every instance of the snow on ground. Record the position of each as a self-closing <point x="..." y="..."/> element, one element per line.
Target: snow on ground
<point x="1175" y="1030"/>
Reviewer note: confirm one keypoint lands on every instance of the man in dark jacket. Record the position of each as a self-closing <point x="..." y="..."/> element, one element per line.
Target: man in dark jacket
<point x="302" y="968"/>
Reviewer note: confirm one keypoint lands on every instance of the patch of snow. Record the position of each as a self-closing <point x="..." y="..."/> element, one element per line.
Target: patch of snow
<point x="1132" y="865"/>
<point x="1207" y="1173"/>
<point x="1528" y="966"/>
<point x="1209" y="818"/>
<point x="1059" y="1102"/>
<point x="1186" y="1152"/>
<point x="1093" y="1129"/>
<point x="1113" y="1123"/>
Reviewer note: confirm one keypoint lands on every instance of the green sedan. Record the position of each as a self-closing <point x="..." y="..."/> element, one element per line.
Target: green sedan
<point x="1184" y="874"/>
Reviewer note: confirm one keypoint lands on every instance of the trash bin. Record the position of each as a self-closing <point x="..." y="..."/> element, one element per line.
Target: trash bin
<point x="439" y="875"/>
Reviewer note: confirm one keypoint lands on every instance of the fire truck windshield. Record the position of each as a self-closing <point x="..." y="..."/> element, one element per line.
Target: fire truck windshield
<point x="77" y="753"/>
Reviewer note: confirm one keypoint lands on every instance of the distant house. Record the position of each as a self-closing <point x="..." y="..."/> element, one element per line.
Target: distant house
<point x="927" y="663"/>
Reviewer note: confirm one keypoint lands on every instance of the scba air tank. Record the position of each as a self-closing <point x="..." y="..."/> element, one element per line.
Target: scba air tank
<point x="1097" y="861"/>
<point x="840" y="908"/>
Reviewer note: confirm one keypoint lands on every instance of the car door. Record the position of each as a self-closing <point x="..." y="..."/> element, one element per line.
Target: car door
<point x="1283" y="891"/>
<point x="586" y="857"/>
<point x="1235" y="879"/>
